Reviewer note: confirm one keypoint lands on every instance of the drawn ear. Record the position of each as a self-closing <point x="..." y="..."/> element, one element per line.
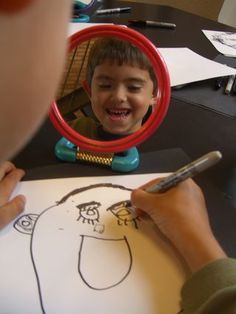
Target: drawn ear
<point x="25" y="224"/>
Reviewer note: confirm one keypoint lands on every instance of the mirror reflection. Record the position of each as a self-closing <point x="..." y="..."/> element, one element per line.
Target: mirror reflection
<point x="109" y="89"/>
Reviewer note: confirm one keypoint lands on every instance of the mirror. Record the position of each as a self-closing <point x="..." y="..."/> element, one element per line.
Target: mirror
<point x="115" y="91"/>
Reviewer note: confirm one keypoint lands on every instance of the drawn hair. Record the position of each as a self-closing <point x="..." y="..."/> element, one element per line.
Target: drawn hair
<point x="118" y="51"/>
<point x="89" y="187"/>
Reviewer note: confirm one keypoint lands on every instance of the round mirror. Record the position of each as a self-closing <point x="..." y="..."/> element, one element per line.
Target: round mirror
<point x="115" y="91"/>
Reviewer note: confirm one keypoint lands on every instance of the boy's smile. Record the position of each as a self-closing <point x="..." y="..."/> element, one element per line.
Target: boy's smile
<point x="121" y="96"/>
<point x="118" y="114"/>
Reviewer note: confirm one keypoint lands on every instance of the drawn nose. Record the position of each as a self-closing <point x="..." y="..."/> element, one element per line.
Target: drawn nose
<point x="99" y="228"/>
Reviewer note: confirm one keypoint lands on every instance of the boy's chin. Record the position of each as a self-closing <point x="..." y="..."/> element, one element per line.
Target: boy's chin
<point x="112" y="133"/>
<point x="121" y="129"/>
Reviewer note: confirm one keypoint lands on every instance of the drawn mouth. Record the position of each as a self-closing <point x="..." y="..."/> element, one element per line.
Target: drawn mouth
<point x="104" y="263"/>
<point x="118" y="114"/>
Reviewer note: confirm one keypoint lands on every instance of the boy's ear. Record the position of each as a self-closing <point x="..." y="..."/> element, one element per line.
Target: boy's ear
<point x="153" y="100"/>
<point x="25" y="224"/>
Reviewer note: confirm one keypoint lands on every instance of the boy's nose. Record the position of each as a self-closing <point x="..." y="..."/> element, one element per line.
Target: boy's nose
<point x="119" y="94"/>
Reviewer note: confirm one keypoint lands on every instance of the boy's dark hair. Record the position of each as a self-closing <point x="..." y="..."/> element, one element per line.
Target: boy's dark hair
<point x="120" y="52"/>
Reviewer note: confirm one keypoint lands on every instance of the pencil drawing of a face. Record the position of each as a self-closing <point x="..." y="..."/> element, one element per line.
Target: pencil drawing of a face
<point x="86" y="252"/>
<point x="86" y="237"/>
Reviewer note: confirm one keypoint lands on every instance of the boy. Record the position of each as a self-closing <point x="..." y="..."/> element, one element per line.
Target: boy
<point x="122" y="87"/>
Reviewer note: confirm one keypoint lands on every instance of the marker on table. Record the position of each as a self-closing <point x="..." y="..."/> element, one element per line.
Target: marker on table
<point x="152" y="24"/>
<point x="113" y="10"/>
<point x="234" y="87"/>
<point x="188" y="171"/>
<point x="229" y="84"/>
<point x="219" y="82"/>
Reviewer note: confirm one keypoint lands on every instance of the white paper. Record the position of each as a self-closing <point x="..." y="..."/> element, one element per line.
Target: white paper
<point x="68" y="256"/>
<point x="224" y="42"/>
<point x="186" y="66"/>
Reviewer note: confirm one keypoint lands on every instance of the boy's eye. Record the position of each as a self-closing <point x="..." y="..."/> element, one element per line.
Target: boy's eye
<point x="104" y="85"/>
<point x="134" y="88"/>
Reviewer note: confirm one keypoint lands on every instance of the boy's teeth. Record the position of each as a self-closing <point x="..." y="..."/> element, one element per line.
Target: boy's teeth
<point x="118" y="111"/>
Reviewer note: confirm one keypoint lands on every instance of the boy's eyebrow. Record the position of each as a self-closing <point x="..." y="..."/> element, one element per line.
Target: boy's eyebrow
<point x="103" y="76"/>
<point x="128" y="79"/>
<point x="136" y="79"/>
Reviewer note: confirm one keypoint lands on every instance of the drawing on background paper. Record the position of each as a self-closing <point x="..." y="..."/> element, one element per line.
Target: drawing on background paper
<point x="225" y="38"/>
<point x="86" y="213"/>
<point x="224" y="42"/>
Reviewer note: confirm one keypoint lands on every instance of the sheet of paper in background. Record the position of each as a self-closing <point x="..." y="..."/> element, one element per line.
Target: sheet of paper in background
<point x="75" y="27"/>
<point x="186" y="66"/>
<point x="78" y="249"/>
<point x="224" y="42"/>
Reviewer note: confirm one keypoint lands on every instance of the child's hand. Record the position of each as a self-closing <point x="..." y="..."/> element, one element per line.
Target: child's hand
<point x="181" y="215"/>
<point x="9" y="177"/>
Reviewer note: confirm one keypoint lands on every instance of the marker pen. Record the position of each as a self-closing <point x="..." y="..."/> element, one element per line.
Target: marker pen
<point x="152" y="24"/>
<point x="113" y="10"/>
<point x="234" y="87"/>
<point x="229" y="84"/>
<point x="188" y="171"/>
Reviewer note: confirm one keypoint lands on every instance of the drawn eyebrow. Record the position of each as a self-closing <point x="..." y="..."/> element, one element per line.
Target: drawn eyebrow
<point x="88" y="204"/>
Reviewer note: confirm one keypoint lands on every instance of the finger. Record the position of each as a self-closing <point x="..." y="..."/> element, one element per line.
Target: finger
<point x="11" y="210"/>
<point x="140" y="200"/>
<point x="141" y="213"/>
<point x="5" y="168"/>
<point x="8" y="184"/>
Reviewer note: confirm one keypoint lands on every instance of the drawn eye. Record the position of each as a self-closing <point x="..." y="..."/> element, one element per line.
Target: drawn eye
<point x="124" y="214"/>
<point x="88" y="212"/>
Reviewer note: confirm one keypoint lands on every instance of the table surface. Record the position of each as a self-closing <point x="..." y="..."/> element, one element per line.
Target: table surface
<point x="192" y="130"/>
<point x="187" y="33"/>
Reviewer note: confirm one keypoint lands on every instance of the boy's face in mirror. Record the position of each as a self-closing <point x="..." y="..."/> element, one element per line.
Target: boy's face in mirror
<point x="120" y="96"/>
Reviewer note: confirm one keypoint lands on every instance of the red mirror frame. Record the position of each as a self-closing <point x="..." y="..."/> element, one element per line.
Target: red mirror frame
<point x="163" y="93"/>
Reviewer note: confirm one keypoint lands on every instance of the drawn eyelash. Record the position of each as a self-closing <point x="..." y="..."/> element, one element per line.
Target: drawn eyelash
<point x="124" y="214"/>
<point x="88" y="212"/>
